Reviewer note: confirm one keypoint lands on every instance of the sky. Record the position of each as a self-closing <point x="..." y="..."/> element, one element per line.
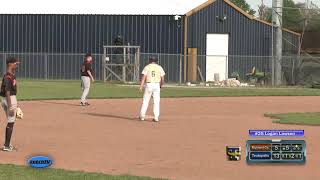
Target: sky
<point x="108" y="6"/>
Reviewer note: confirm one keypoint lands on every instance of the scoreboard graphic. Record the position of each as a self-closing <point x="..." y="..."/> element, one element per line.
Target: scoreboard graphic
<point x="276" y="151"/>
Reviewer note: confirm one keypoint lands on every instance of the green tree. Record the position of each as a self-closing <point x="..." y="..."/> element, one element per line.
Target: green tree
<point x="264" y="13"/>
<point x="244" y="6"/>
<point x="313" y="18"/>
<point x="292" y="18"/>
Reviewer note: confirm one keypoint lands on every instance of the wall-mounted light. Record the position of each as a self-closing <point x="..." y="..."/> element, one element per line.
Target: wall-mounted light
<point x="222" y="18"/>
<point x="177" y="19"/>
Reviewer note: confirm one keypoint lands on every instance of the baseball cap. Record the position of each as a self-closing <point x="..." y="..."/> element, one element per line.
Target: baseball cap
<point x="88" y="55"/>
<point x="12" y="60"/>
<point x="153" y="59"/>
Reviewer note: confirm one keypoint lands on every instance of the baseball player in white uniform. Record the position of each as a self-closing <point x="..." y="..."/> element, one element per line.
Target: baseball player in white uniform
<point x="152" y="81"/>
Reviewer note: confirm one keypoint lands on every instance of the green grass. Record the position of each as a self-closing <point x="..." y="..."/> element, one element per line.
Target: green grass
<point x="14" y="172"/>
<point x="308" y="118"/>
<point x="36" y="90"/>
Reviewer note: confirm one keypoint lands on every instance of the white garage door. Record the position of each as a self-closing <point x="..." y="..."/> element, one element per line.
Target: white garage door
<point x="217" y="56"/>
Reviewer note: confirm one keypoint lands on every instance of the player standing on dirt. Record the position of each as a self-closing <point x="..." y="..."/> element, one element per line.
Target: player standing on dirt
<point x="9" y="101"/>
<point x="153" y="76"/>
<point x="86" y="76"/>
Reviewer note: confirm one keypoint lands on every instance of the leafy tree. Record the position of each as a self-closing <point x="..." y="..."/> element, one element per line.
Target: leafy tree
<point x="264" y="12"/>
<point x="244" y="6"/>
<point x="294" y="16"/>
<point x="313" y="18"/>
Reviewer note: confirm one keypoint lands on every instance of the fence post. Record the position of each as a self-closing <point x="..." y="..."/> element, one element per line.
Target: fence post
<point x="4" y="64"/>
<point x="104" y="58"/>
<point x="138" y="65"/>
<point x="293" y="80"/>
<point x="46" y="66"/>
<point x="227" y="67"/>
<point x="180" y="69"/>
<point x="124" y="65"/>
<point x="272" y="71"/>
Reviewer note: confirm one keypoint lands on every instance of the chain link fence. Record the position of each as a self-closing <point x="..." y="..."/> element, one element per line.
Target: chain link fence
<point x="296" y="70"/>
<point x="50" y="65"/>
<point x="302" y="70"/>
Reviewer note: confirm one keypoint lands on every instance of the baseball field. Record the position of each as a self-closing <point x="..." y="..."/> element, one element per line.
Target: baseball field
<point x="106" y="141"/>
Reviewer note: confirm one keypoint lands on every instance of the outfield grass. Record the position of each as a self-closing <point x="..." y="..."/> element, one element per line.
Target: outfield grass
<point x="36" y="90"/>
<point x="14" y="172"/>
<point x="309" y="118"/>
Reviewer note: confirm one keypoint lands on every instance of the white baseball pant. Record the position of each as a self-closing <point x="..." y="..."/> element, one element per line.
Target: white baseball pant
<point x="85" y="85"/>
<point x="5" y="107"/>
<point x="151" y="89"/>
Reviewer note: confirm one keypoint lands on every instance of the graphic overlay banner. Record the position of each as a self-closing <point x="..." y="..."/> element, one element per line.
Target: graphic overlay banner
<point x="276" y="133"/>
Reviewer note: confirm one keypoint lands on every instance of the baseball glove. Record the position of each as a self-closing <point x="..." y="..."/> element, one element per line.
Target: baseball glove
<point x="19" y="113"/>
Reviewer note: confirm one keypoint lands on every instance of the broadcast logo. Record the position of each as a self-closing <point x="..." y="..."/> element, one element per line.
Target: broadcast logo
<point x="40" y="162"/>
<point x="233" y="153"/>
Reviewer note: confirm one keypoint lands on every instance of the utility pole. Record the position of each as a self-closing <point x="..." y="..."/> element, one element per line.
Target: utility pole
<point x="277" y="23"/>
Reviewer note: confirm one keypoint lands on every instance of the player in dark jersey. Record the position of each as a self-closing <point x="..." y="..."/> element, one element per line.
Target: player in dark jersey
<point x="9" y="101"/>
<point x="86" y="76"/>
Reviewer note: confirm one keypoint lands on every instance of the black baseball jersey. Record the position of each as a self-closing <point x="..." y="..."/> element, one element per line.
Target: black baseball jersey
<point x="9" y="83"/>
<point x="85" y="67"/>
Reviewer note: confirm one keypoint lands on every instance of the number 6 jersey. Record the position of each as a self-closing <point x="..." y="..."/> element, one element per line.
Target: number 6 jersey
<point x="154" y="72"/>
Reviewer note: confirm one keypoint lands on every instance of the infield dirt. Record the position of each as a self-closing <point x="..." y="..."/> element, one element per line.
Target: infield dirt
<point x="187" y="144"/>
